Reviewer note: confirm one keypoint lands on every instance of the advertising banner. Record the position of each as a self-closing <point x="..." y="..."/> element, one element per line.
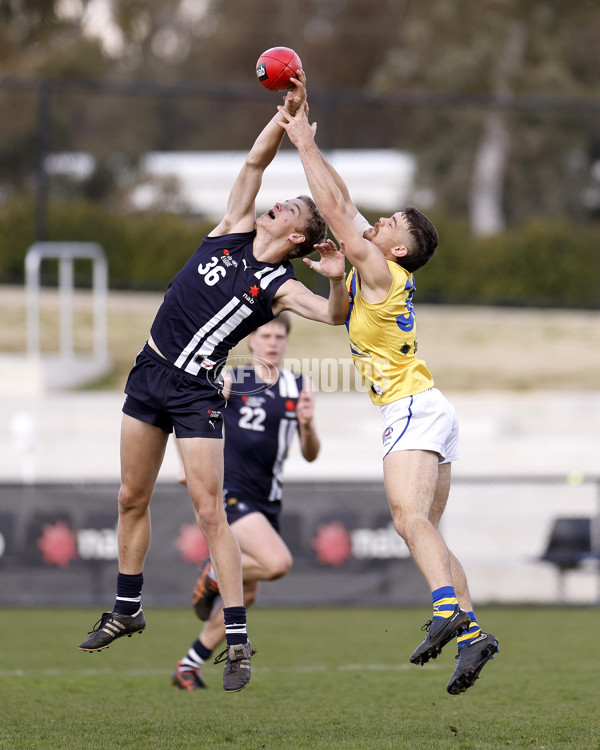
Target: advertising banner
<point x="58" y="546"/>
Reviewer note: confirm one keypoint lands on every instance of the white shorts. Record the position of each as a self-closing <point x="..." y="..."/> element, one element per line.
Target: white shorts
<point x="426" y="421"/>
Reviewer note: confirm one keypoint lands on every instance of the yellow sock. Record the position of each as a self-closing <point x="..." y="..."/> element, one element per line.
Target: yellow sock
<point x="471" y="633"/>
<point x="444" y="602"/>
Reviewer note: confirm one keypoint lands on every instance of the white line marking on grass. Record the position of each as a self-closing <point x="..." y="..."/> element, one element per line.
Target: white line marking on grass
<point x="155" y="672"/>
<point x="341" y="668"/>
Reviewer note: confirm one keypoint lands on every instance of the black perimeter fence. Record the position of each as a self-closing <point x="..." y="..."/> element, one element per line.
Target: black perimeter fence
<point x="70" y="115"/>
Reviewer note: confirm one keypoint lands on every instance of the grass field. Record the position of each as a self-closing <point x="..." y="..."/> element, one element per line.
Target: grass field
<point x="322" y="678"/>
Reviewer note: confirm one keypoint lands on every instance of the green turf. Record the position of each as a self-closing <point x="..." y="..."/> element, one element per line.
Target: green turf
<point x="322" y="678"/>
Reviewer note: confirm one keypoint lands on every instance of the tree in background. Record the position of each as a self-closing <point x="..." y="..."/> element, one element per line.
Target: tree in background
<point x="500" y="164"/>
<point x="38" y="42"/>
<point x="494" y="165"/>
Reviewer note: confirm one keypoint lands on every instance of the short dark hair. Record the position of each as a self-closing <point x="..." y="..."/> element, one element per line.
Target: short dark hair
<point x="425" y="240"/>
<point x="285" y="319"/>
<point x="314" y="232"/>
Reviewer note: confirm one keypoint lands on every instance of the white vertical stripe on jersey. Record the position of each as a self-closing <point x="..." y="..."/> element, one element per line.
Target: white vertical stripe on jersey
<point x="207" y="347"/>
<point x="286" y="431"/>
<point x="266" y="280"/>
<point x="288" y="388"/>
<point x="209" y="325"/>
<point x="288" y="385"/>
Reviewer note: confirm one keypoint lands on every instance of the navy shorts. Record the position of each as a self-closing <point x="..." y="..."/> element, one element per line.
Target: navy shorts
<point x="165" y="396"/>
<point x="237" y="507"/>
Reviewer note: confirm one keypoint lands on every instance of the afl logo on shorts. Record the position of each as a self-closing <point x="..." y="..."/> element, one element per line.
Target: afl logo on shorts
<point x="387" y="435"/>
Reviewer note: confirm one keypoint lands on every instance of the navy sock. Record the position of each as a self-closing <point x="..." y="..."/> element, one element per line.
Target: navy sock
<point x="129" y="593"/>
<point x="196" y="656"/>
<point x="235" y="625"/>
<point x="201" y="650"/>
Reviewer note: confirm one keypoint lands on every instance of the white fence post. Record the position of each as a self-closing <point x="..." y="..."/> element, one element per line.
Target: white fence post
<point x="66" y="253"/>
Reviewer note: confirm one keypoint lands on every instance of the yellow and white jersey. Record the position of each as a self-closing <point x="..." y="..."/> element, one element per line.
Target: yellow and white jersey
<point x="383" y="339"/>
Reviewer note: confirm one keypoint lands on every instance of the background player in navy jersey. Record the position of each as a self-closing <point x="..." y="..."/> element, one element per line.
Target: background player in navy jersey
<point x="420" y="427"/>
<point x="238" y="279"/>
<point x="267" y="406"/>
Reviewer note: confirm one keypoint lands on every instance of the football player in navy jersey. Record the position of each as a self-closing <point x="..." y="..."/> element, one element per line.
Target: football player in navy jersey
<point x="238" y="279"/>
<point x="267" y="405"/>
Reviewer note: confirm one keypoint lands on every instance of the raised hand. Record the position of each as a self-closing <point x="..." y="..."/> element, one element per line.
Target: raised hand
<point x="297" y="125"/>
<point x="295" y="97"/>
<point x="305" y="408"/>
<point x="332" y="262"/>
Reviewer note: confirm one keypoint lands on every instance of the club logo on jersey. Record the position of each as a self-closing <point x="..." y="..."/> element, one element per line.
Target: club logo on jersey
<point x="290" y="409"/>
<point x="253" y="401"/>
<point x="251" y="294"/>
<point x="377" y="389"/>
<point x="227" y="260"/>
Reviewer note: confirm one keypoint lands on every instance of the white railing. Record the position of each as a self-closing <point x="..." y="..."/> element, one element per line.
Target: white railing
<point x="66" y="253"/>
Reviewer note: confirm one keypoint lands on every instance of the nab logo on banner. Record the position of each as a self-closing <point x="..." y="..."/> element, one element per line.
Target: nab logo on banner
<point x="191" y="544"/>
<point x="334" y="544"/>
<point x="60" y="544"/>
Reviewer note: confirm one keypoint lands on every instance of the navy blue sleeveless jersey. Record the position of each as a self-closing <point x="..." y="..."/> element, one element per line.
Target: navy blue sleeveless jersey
<point x="260" y="422"/>
<point x="220" y="296"/>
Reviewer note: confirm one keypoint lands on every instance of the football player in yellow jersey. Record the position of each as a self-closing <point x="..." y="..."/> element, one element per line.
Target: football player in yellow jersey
<point x="420" y="428"/>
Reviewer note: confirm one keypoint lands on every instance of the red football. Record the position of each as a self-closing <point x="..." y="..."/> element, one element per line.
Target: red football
<point x="276" y="66"/>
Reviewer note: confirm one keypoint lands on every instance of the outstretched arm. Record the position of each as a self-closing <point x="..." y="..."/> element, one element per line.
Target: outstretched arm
<point x="240" y="214"/>
<point x="364" y="255"/>
<point x="351" y="209"/>
<point x="359" y="222"/>
<point x="294" y="296"/>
